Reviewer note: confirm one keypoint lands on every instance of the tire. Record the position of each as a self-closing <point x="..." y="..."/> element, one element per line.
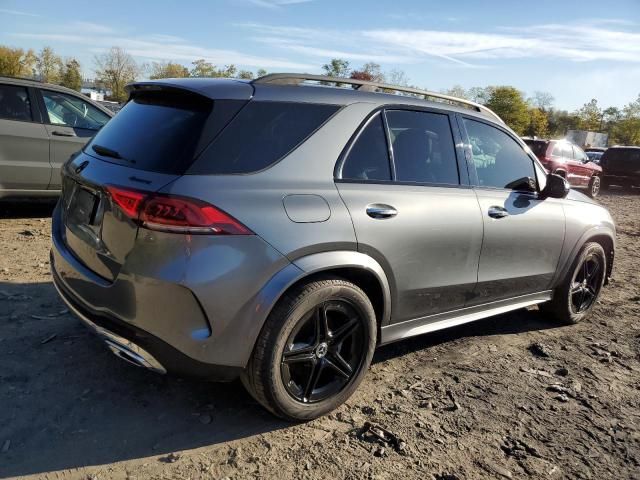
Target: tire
<point x="594" y="186"/>
<point x="573" y="300"/>
<point x="294" y="349"/>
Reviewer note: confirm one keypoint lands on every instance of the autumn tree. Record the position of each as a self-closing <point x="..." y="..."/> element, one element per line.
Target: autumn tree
<point x="16" y="62"/>
<point x="509" y="104"/>
<point x="627" y="130"/>
<point x="116" y="68"/>
<point x="538" y="124"/>
<point x="168" y="70"/>
<point x="71" y="76"/>
<point x="371" y="72"/>
<point x="49" y="66"/>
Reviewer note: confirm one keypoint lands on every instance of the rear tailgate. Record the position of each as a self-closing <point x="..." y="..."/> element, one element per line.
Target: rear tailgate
<point x="151" y="142"/>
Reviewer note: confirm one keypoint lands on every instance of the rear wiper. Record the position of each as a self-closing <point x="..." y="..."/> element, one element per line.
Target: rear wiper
<point x="108" y="152"/>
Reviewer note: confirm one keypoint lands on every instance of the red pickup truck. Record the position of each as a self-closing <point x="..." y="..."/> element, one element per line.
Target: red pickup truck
<point x="565" y="159"/>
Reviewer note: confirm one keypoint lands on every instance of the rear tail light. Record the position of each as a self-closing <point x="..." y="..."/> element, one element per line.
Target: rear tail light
<point x="169" y="213"/>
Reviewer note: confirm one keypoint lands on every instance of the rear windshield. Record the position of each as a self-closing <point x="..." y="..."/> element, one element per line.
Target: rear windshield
<point x="260" y="135"/>
<point x="621" y="158"/>
<point x="162" y="131"/>
<point x="538" y="147"/>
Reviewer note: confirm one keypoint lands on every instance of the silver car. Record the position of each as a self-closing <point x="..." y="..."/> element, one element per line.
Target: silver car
<point x="41" y="126"/>
<point x="278" y="230"/>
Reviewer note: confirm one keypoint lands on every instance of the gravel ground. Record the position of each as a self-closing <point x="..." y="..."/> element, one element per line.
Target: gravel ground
<point x="514" y="396"/>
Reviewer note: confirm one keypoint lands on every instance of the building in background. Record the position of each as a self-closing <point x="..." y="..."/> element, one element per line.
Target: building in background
<point x="585" y="139"/>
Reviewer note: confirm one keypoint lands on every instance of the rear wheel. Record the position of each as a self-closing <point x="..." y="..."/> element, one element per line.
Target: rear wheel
<point x="594" y="186"/>
<point x="574" y="299"/>
<point x="313" y="350"/>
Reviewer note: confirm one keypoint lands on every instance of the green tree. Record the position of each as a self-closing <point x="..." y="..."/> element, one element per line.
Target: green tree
<point x="71" y="76"/>
<point x="245" y="74"/>
<point x="510" y="105"/>
<point x="479" y="94"/>
<point x="337" y="67"/>
<point x="168" y="70"/>
<point x="115" y="69"/>
<point x="261" y="73"/>
<point x="49" y="66"/>
<point x="626" y="131"/>
<point x="202" y="68"/>
<point x="16" y="62"/>
<point x="590" y="116"/>
<point x="538" y="123"/>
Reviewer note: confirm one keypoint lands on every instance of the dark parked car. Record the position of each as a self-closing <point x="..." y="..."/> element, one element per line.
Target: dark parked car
<point x="278" y="231"/>
<point x="595" y="157"/>
<point x="41" y="126"/>
<point x="569" y="161"/>
<point x="621" y="167"/>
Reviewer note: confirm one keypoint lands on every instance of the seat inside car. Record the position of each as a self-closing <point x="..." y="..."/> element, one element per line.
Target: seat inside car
<point x="14" y="107"/>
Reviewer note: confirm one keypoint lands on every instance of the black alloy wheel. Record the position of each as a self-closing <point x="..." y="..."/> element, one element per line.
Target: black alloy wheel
<point x="324" y="351"/>
<point x="586" y="284"/>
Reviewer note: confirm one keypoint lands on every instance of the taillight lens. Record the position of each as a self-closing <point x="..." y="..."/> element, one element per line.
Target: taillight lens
<point x="170" y="213"/>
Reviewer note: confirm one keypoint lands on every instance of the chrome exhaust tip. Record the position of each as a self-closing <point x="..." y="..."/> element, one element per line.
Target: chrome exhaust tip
<point x="134" y="355"/>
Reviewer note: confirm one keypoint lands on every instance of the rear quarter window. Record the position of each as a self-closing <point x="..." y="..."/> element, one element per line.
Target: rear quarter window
<point x="260" y="135"/>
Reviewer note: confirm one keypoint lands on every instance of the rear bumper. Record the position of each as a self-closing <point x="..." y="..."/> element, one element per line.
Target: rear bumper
<point x="139" y="347"/>
<point x="195" y="304"/>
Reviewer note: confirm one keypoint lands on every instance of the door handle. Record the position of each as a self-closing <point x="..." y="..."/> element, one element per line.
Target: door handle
<point x="498" y="212"/>
<point x="381" y="211"/>
<point x="60" y="133"/>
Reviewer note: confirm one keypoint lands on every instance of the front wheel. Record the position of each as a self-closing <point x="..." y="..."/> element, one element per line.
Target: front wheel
<point x="594" y="186"/>
<point x="574" y="299"/>
<point x="313" y="351"/>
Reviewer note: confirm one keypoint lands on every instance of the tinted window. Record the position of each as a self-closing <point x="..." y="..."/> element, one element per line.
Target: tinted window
<point x="71" y="111"/>
<point x="622" y="160"/>
<point x="538" y="147"/>
<point x="423" y="147"/>
<point x="500" y="161"/>
<point x="261" y="134"/>
<point x="368" y="158"/>
<point x="158" y="131"/>
<point x="14" y="103"/>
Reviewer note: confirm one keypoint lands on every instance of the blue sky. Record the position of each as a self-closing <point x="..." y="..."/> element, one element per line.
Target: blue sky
<point x="577" y="50"/>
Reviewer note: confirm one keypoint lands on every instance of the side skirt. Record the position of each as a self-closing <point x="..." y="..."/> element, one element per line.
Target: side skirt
<point x="418" y="326"/>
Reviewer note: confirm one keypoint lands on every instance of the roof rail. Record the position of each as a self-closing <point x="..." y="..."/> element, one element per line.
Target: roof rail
<point x="22" y="78"/>
<point x="368" y="86"/>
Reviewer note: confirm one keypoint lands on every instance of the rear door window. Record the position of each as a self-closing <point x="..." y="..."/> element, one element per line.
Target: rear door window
<point x="567" y="151"/>
<point x="423" y="147"/>
<point x="14" y="103"/>
<point x="578" y="154"/>
<point x="260" y="135"/>
<point x="368" y="158"/>
<point x="538" y="147"/>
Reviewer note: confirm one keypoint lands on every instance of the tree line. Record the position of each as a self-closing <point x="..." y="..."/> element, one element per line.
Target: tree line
<point x="534" y="116"/>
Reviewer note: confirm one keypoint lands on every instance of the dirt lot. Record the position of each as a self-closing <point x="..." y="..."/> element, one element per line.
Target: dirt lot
<point x="510" y="397"/>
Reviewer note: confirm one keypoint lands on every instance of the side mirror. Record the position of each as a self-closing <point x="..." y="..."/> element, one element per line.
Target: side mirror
<point x="526" y="184"/>
<point x="557" y="187"/>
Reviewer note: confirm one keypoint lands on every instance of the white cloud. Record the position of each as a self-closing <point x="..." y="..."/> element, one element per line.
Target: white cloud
<point x="577" y="43"/>
<point x="18" y="12"/>
<point x="159" y="48"/>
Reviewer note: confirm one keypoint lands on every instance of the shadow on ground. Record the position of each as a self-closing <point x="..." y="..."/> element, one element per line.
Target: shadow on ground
<point x="68" y="403"/>
<point x="26" y="209"/>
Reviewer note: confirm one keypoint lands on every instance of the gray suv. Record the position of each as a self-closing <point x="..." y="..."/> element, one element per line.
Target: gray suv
<point x="41" y="126"/>
<point x="278" y="230"/>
